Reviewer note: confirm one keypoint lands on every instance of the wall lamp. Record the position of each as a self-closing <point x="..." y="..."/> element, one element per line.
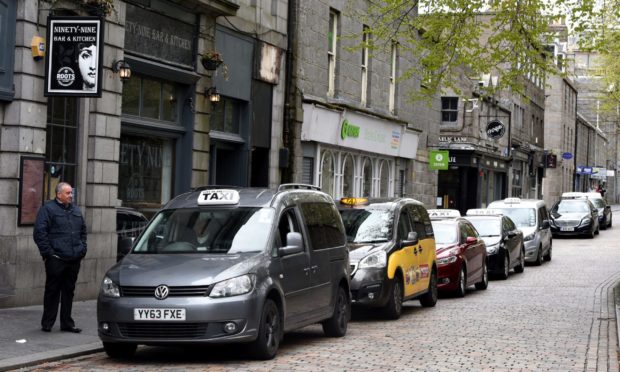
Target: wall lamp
<point x="123" y="69"/>
<point x="213" y="94"/>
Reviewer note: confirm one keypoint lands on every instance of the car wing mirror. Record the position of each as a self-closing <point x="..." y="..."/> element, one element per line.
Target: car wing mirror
<point x="294" y="244"/>
<point x="412" y="239"/>
<point x="471" y="240"/>
<point x="124" y="247"/>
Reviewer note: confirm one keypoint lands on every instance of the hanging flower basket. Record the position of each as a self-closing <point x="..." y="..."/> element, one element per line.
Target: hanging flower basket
<point x="211" y="61"/>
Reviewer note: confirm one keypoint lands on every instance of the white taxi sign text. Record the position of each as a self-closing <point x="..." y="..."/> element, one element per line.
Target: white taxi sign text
<point x="512" y="200"/>
<point x="443" y="213"/>
<point x="218" y="197"/>
<point x="483" y="212"/>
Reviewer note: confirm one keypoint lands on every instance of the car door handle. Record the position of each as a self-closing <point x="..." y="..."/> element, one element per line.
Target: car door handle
<point x="314" y="269"/>
<point x="415" y="251"/>
<point x="307" y="270"/>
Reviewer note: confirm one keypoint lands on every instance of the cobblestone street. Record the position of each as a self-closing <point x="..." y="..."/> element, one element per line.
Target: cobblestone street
<point x="556" y="317"/>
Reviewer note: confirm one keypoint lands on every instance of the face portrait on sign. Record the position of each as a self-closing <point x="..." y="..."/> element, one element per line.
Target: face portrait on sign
<point x="87" y="64"/>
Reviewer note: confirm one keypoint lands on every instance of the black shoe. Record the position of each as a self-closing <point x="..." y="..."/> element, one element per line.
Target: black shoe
<point x="72" y="329"/>
<point x="46" y="329"/>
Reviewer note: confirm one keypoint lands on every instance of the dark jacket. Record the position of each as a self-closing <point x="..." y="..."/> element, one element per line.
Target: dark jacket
<point x="60" y="231"/>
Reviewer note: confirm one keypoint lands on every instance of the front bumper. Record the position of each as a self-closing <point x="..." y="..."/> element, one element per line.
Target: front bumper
<point x="204" y="321"/>
<point x="369" y="287"/>
<point x="577" y="230"/>
<point x="495" y="261"/>
<point x="448" y="275"/>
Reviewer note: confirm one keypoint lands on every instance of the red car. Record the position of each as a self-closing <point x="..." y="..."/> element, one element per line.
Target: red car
<point x="461" y="256"/>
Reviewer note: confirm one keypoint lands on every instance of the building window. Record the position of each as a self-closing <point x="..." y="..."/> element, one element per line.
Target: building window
<point x="327" y="173"/>
<point x="364" y="64"/>
<point x="145" y="171"/>
<point x="384" y="179"/>
<point x="61" y="143"/>
<point x="226" y="116"/>
<point x="332" y="40"/>
<point x="367" y="177"/>
<point x="449" y="109"/>
<point x="393" y="69"/>
<point x="151" y="99"/>
<point x="348" y="171"/>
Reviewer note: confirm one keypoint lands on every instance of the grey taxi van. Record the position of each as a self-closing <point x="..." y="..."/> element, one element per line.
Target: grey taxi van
<point x="230" y="265"/>
<point x="532" y="217"/>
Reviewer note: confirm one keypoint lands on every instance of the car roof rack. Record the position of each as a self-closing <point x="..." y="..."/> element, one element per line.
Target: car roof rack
<point x="206" y="187"/>
<point x="298" y="186"/>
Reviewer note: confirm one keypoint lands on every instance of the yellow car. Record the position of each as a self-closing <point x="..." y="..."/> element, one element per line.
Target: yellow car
<point x="392" y="253"/>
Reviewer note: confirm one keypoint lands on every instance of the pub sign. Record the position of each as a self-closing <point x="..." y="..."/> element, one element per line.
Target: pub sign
<point x="75" y="56"/>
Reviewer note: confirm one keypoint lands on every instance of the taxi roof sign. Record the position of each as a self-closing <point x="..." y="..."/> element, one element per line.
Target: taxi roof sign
<point x="443" y="213"/>
<point x="512" y="200"/>
<point x="354" y="201"/>
<point x="218" y="197"/>
<point x="484" y="212"/>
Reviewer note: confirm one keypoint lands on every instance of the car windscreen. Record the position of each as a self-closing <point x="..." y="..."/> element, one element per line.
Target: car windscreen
<point x="445" y="233"/>
<point x="487" y="226"/>
<point x="522" y="217"/>
<point x="212" y="230"/>
<point x="571" y="206"/>
<point x="369" y="225"/>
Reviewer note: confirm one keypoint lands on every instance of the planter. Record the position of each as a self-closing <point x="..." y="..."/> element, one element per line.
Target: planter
<point x="211" y="64"/>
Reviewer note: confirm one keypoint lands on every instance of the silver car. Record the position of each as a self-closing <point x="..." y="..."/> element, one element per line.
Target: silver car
<point x="233" y="265"/>
<point x="532" y="217"/>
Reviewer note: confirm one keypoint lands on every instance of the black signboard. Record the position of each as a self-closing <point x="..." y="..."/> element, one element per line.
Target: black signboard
<point x="154" y="35"/>
<point x="495" y="129"/>
<point x="75" y="56"/>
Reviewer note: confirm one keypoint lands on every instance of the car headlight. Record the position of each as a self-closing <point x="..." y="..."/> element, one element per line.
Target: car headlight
<point x="586" y="221"/>
<point x="529" y="237"/>
<point x="377" y="259"/>
<point x="233" y="287"/>
<point x="109" y="288"/>
<point x="446" y="260"/>
<point x="492" y="249"/>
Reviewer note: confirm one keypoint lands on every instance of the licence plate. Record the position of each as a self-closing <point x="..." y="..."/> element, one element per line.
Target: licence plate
<point x="159" y="314"/>
<point x="567" y="229"/>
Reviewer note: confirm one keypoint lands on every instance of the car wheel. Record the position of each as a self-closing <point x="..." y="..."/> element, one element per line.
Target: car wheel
<point x="505" y="268"/>
<point x="394" y="306"/>
<point x="336" y="326"/>
<point x="484" y="282"/>
<point x="462" y="284"/>
<point x="598" y="229"/>
<point x="269" y="332"/>
<point x="591" y="234"/>
<point x="521" y="266"/>
<point x="119" y="350"/>
<point x="429" y="299"/>
<point x="609" y="222"/>
<point x="547" y="257"/>
<point x="539" y="256"/>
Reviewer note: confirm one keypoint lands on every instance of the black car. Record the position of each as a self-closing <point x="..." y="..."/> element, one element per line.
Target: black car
<point x="574" y="217"/>
<point x="604" y="212"/>
<point x="504" y="240"/>
<point x="129" y="225"/>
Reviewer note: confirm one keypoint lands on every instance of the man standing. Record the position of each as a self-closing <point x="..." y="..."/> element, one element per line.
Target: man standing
<point x="60" y="234"/>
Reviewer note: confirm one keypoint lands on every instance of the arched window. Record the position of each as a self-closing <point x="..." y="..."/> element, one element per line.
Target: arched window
<point x="384" y="178"/>
<point x="366" y="177"/>
<point x="327" y="172"/>
<point x="348" y="170"/>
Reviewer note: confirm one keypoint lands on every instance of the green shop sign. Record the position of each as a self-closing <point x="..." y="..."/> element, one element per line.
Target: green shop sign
<point x="438" y="160"/>
<point x="349" y="130"/>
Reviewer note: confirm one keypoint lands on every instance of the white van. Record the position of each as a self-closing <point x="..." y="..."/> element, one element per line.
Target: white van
<point x="532" y="217"/>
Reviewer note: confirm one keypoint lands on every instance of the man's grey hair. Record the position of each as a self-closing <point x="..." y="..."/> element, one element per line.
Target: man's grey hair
<point x="61" y="185"/>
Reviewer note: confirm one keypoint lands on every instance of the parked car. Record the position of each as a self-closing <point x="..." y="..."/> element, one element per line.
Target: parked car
<point x="129" y="225"/>
<point x="229" y="266"/>
<point x="503" y="239"/>
<point x="392" y="253"/>
<point x="461" y="256"/>
<point x="532" y="217"/>
<point x="574" y="217"/>
<point x="604" y="210"/>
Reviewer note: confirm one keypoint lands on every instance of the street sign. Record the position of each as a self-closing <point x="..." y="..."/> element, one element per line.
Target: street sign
<point x="438" y="160"/>
<point x="567" y="155"/>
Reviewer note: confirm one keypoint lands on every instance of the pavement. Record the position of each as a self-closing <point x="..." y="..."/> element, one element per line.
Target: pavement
<point x="23" y="344"/>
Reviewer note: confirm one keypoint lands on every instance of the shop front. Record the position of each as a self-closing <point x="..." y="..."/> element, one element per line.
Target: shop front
<point x="473" y="180"/>
<point x="348" y="153"/>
